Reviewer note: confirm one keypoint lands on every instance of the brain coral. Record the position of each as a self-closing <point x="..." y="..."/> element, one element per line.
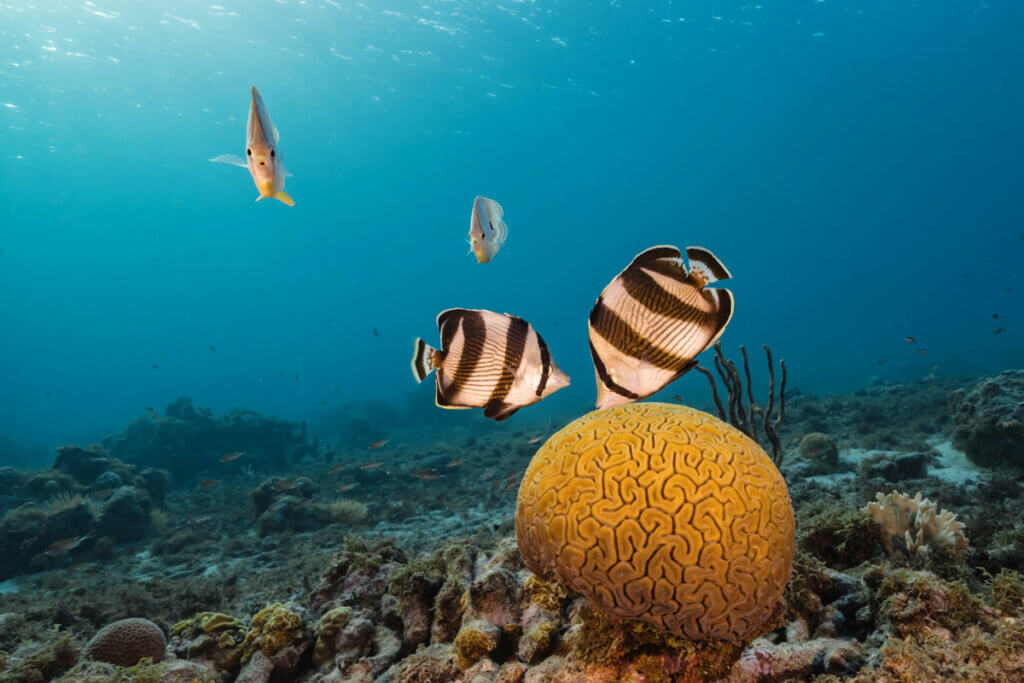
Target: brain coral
<point x="127" y="641"/>
<point x="661" y="513"/>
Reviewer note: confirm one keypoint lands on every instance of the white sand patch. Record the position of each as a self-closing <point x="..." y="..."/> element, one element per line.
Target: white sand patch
<point x="953" y="465"/>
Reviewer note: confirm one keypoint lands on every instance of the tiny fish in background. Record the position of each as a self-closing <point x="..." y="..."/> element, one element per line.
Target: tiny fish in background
<point x="426" y="474"/>
<point x="487" y="360"/>
<point x="910" y="340"/>
<point x="536" y="439"/>
<point x="653" y="319"/>
<point x="231" y="457"/>
<point x="372" y="465"/>
<point x="339" y="468"/>
<point x="678" y="398"/>
<point x="212" y="347"/>
<point x="998" y="330"/>
<point x="487" y="232"/>
<point x="379" y="444"/>
<point x="347" y="487"/>
<point x="207" y="483"/>
<point x="454" y="463"/>
<point x="262" y="159"/>
<point x="66" y="545"/>
<point x="921" y="352"/>
<point x="155" y="366"/>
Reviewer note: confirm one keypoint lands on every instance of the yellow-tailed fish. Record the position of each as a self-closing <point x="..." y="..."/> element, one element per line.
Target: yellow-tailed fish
<point x="261" y="156"/>
<point x="487" y="232"/>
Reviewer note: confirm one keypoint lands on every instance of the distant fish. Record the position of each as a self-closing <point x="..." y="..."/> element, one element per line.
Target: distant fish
<point x="487" y="360"/>
<point x="653" y="319"/>
<point x="379" y="444"/>
<point x="536" y="439"/>
<point x="207" y="483"/>
<point x="66" y="545"/>
<point x="487" y="232"/>
<point x="231" y="457"/>
<point x="678" y="398"/>
<point x="339" y="468"/>
<point x="263" y="162"/>
<point x="921" y="352"/>
<point x="155" y="366"/>
<point x="910" y="340"/>
<point x="347" y="487"/>
<point x="212" y="347"/>
<point x="372" y="465"/>
<point x="426" y="474"/>
<point x="454" y="463"/>
<point x="998" y="330"/>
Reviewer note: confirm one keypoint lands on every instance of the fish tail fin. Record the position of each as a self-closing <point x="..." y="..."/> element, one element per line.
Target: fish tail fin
<point x="283" y="197"/>
<point x="425" y="359"/>
<point x="705" y="267"/>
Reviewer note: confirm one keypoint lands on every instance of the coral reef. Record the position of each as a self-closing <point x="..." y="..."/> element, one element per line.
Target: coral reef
<point x="821" y="451"/>
<point x="989" y="420"/>
<point x="127" y="642"/>
<point x="914" y="525"/>
<point x="653" y="511"/>
<point x="188" y="439"/>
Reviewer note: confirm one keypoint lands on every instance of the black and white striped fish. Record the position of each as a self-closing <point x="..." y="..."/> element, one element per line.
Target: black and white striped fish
<point x="652" y="320"/>
<point x="487" y="360"/>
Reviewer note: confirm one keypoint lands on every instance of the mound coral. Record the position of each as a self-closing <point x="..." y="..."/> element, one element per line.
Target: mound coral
<point x="989" y="420"/>
<point x="127" y="641"/>
<point x="278" y="638"/>
<point x="913" y="525"/>
<point x="664" y="514"/>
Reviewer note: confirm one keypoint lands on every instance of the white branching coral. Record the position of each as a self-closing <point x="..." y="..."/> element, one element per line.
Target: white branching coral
<point x="912" y="525"/>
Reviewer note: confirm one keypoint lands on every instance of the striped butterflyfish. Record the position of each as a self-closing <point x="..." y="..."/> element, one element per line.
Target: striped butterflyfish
<point x="653" y="319"/>
<point x="487" y="360"/>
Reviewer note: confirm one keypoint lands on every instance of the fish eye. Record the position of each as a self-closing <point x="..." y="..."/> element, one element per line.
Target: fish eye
<point x="249" y="152"/>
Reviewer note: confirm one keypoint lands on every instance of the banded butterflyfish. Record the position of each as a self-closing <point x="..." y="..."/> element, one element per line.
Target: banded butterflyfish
<point x="487" y="360"/>
<point x="653" y="319"/>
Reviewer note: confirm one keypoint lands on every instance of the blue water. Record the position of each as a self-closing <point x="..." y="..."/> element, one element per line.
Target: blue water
<point x="857" y="165"/>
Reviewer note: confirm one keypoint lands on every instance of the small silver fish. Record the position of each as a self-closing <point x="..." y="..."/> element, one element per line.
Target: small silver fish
<point x="262" y="159"/>
<point x="487" y="232"/>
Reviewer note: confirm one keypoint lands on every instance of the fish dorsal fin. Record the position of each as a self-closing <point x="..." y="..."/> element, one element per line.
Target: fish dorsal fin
<point x="664" y="259"/>
<point x="705" y="267"/>
<point x="232" y="159"/>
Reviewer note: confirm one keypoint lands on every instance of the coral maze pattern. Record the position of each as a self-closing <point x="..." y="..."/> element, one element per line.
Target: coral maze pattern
<point x="662" y="513"/>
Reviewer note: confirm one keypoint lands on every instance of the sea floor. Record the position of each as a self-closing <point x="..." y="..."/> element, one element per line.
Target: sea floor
<point x="324" y="560"/>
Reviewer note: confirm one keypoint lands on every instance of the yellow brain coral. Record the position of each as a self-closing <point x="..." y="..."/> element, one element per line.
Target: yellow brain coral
<point x="661" y="513"/>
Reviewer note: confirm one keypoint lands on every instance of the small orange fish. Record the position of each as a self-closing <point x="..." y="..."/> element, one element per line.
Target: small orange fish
<point x="231" y="457"/>
<point x="454" y="463"/>
<point x="372" y="465"/>
<point x="910" y="340"/>
<point x="347" y="487"/>
<point x="65" y="545"/>
<point x="426" y="474"/>
<point x="536" y="439"/>
<point x="207" y="483"/>
<point x="379" y="444"/>
<point x="102" y="494"/>
<point x="338" y="468"/>
<point x="511" y="481"/>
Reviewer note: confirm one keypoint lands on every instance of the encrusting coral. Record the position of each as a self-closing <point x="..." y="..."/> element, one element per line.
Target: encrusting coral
<point x="661" y="513"/>
<point x="127" y="641"/>
<point x="915" y="525"/>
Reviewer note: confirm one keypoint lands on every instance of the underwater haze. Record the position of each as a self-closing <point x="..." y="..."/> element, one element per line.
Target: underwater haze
<point x="855" y="165"/>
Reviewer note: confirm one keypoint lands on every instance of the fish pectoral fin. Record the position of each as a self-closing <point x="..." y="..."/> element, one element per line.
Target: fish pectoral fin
<point x="499" y="410"/>
<point x="285" y="173"/>
<point x="283" y="197"/>
<point x="232" y="159"/>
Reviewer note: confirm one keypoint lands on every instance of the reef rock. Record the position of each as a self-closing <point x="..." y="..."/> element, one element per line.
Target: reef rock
<point x="649" y="510"/>
<point x="188" y="439"/>
<point x="989" y="420"/>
